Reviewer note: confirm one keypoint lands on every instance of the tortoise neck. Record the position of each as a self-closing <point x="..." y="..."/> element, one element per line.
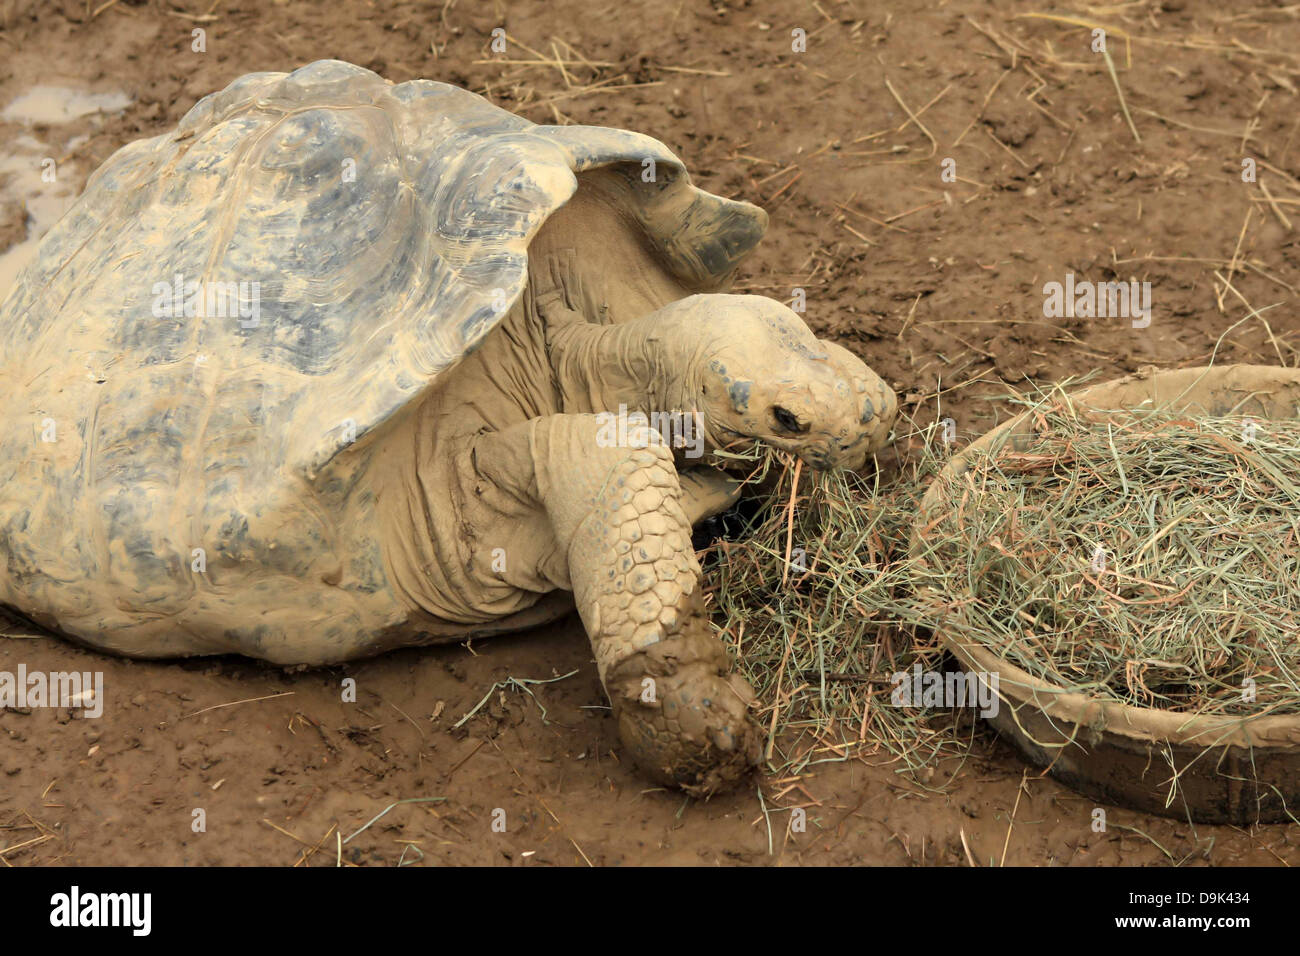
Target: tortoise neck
<point x="602" y="367"/>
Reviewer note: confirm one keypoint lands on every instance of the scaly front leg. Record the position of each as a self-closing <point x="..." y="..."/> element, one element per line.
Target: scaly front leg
<point x="707" y="492"/>
<point x="618" y="518"/>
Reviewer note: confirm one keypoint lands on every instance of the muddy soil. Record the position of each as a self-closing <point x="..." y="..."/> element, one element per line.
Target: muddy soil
<point x="936" y="282"/>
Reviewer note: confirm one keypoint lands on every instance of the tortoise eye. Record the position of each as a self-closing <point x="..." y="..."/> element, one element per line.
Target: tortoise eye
<point x="787" y="420"/>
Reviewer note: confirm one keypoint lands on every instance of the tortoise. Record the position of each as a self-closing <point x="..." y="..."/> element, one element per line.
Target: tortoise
<point x="333" y="368"/>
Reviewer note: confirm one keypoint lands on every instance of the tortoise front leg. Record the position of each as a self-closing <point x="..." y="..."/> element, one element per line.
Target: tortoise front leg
<point x="618" y="520"/>
<point x="707" y="492"/>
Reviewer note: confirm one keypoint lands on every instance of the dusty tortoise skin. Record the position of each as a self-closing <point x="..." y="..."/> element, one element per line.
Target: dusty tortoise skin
<point x="321" y="373"/>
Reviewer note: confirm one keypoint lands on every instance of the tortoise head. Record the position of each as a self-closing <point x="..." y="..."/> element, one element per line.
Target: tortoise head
<point x="759" y="372"/>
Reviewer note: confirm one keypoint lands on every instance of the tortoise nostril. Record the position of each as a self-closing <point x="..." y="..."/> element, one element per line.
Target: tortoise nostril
<point x="787" y="421"/>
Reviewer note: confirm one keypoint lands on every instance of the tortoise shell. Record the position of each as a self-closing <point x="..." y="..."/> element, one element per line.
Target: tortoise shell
<point x="229" y="305"/>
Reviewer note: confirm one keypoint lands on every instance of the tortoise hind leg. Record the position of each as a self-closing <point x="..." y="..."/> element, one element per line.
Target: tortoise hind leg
<point x="618" y="519"/>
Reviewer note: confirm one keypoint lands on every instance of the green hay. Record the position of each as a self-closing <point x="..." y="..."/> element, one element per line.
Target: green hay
<point x="1201" y="588"/>
<point x="819" y="638"/>
<point x="1143" y="557"/>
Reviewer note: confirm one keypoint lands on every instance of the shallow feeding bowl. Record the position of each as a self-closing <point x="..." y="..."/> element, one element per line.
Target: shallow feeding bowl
<point x="1204" y="768"/>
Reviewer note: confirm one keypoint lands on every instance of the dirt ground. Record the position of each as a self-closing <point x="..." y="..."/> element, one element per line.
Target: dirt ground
<point x="936" y="284"/>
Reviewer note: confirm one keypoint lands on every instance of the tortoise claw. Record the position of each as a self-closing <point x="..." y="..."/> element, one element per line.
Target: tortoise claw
<point x="694" y="730"/>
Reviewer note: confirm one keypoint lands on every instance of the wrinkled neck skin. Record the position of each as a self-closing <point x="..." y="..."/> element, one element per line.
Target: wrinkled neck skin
<point x="650" y="365"/>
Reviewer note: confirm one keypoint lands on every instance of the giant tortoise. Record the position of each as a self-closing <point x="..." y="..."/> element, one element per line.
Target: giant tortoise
<point x="329" y="370"/>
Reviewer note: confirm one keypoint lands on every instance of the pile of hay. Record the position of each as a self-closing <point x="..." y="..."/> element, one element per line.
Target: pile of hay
<point x="1144" y="557"/>
<point x="1148" y="558"/>
<point x="814" y="599"/>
